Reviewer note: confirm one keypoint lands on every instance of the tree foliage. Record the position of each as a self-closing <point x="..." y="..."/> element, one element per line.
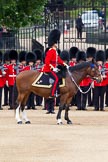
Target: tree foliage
<point x="18" y="13"/>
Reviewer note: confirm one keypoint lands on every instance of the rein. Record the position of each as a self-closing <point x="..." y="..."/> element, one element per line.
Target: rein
<point x="77" y="84"/>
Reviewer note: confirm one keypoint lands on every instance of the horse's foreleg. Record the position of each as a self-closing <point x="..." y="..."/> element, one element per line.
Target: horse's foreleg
<point x="19" y="121"/>
<point x="66" y="114"/>
<point x="59" y="121"/>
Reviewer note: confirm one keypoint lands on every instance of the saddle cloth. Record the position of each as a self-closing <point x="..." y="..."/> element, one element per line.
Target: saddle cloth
<point x="43" y="80"/>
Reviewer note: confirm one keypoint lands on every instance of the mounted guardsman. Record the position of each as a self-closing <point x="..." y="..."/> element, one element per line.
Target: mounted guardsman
<point x="22" y="60"/>
<point x="52" y="60"/>
<point x="99" y="88"/>
<point x="30" y="60"/>
<point x="11" y="74"/>
<point x="91" y="52"/>
<point x="2" y="75"/>
<point x="6" y="62"/>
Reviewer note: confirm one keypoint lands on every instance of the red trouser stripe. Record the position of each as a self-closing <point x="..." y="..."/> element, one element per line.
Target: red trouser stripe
<point x="55" y="83"/>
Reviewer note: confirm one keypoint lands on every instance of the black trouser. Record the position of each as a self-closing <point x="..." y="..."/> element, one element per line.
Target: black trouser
<point x="79" y="33"/>
<point x="6" y="93"/>
<point x="11" y="88"/>
<point x="99" y="92"/>
<point x="91" y="97"/>
<point x="39" y="100"/>
<point x="30" y="102"/>
<point x="0" y="96"/>
<point x="106" y="99"/>
<point x="81" y="98"/>
<point x="49" y="104"/>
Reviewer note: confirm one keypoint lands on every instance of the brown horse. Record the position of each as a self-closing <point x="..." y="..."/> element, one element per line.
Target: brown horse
<point x="74" y="76"/>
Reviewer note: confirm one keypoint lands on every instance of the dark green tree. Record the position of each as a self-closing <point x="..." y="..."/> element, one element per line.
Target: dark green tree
<point x="18" y="13"/>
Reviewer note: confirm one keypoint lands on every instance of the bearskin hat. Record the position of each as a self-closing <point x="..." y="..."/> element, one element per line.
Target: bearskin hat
<point x="81" y="55"/>
<point x="54" y="37"/>
<point x="64" y="55"/>
<point x="91" y="51"/>
<point x="73" y="51"/>
<point x="106" y="53"/>
<point x="1" y="56"/>
<point x="38" y="54"/>
<point x="100" y="56"/>
<point x="30" y="57"/>
<point x="6" y="56"/>
<point x="22" y="56"/>
<point x="13" y="55"/>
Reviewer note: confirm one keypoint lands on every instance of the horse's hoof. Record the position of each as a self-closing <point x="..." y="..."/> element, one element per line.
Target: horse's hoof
<point x="60" y="123"/>
<point x="27" y="122"/>
<point x="69" y="122"/>
<point x="19" y="122"/>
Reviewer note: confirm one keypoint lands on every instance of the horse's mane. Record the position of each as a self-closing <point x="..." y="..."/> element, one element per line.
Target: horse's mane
<point x="80" y="66"/>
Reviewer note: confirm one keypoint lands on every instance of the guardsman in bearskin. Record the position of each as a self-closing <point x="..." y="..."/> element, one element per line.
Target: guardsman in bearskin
<point x="6" y="62"/>
<point x="11" y="74"/>
<point x="30" y="60"/>
<point x="72" y="52"/>
<point x="22" y="60"/>
<point x="2" y="81"/>
<point x="106" y="66"/>
<point x="91" y="52"/>
<point x="81" y="98"/>
<point x="38" y="65"/>
<point x="52" y="59"/>
<point x="99" y="88"/>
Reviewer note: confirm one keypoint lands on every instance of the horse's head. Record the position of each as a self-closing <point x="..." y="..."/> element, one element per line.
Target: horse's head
<point x="94" y="71"/>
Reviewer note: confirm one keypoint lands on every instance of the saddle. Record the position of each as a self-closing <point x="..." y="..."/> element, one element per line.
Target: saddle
<point x="43" y="80"/>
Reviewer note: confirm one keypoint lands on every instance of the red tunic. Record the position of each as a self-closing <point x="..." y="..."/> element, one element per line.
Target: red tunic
<point x="85" y="82"/>
<point x="106" y="66"/>
<point x="103" y="83"/>
<point x="72" y="63"/>
<point x="52" y="58"/>
<point x="11" y="74"/>
<point x="2" y="81"/>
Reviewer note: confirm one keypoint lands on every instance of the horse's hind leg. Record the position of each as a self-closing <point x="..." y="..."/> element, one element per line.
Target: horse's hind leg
<point x="17" y="116"/>
<point x="20" y="103"/>
<point x="24" y="115"/>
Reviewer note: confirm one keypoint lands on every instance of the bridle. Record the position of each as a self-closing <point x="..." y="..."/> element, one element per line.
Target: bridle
<point x="73" y="80"/>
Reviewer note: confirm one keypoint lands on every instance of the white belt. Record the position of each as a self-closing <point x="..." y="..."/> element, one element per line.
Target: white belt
<point x="12" y="75"/>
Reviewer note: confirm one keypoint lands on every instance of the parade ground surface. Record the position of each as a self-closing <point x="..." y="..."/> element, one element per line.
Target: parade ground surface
<point x="86" y="140"/>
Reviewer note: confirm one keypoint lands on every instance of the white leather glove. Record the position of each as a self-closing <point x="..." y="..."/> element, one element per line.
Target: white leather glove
<point x="55" y="70"/>
<point x="4" y="73"/>
<point x="67" y="66"/>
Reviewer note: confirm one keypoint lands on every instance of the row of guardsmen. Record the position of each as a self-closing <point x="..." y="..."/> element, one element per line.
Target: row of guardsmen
<point x="11" y="63"/>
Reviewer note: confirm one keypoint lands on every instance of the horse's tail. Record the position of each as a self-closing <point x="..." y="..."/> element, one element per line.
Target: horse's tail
<point x="14" y="97"/>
